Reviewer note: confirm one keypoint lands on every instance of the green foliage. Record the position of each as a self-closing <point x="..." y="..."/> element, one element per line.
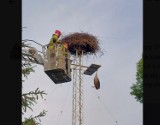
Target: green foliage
<point x="26" y="71"/>
<point x="137" y="88"/>
<point x="30" y="99"/>
<point x="33" y="120"/>
<point x="27" y="68"/>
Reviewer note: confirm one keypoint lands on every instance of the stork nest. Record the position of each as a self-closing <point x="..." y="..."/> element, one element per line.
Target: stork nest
<point x="81" y="42"/>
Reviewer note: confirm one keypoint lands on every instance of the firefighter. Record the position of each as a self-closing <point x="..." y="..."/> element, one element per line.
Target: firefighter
<point x="61" y="56"/>
<point x="64" y="58"/>
<point x="52" y="48"/>
<point x="67" y="58"/>
<point x="54" y="40"/>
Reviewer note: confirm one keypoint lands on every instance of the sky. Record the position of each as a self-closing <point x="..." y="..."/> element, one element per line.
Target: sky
<point x="118" y="26"/>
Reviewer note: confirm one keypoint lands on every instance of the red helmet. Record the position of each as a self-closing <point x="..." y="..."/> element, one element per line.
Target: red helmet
<point x="58" y="33"/>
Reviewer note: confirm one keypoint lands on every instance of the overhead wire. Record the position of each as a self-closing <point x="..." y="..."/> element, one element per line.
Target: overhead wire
<point x="32" y="41"/>
<point x="63" y="104"/>
<point x="56" y="88"/>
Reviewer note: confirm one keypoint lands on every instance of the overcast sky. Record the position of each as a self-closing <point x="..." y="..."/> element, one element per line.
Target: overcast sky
<point x="118" y="26"/>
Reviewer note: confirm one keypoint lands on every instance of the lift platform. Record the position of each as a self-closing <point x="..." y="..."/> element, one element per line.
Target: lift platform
<point x="57" y="66"/>
<point x="58" y="76"/>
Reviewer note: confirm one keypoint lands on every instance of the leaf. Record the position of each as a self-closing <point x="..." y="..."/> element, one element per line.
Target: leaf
<point x="36" y="90"/>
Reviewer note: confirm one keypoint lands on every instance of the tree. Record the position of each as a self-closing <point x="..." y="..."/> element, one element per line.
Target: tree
<point x="30" y="98"/>
<point x="137" y="88"/>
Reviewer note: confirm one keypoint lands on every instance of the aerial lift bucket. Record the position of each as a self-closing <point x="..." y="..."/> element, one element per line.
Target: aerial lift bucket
<point x="57" y="66"/>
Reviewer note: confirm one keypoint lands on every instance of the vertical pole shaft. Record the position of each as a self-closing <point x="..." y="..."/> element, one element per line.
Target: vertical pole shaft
<point x="80" y="90"/>
<point x="77" y="109"/>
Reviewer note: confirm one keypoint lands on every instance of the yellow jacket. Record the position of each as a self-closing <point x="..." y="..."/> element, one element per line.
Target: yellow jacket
<point x="53" y="42"/>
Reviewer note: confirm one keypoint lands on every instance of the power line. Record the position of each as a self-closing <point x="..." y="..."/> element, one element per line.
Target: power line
<point x="64" y="102"/>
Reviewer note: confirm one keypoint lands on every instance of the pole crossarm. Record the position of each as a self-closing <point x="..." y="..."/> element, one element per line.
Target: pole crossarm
<point x="80" y="66"/>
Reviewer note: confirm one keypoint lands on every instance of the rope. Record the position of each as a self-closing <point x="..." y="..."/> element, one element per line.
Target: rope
<point x="104" y="105"/>
<point x="107" y="109"/>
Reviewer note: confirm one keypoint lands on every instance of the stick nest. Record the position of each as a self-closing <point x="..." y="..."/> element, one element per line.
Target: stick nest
<point x="82" y="42"/>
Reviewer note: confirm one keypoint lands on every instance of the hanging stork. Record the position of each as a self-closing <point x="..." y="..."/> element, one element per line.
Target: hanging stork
<point x="96" y="82"/>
